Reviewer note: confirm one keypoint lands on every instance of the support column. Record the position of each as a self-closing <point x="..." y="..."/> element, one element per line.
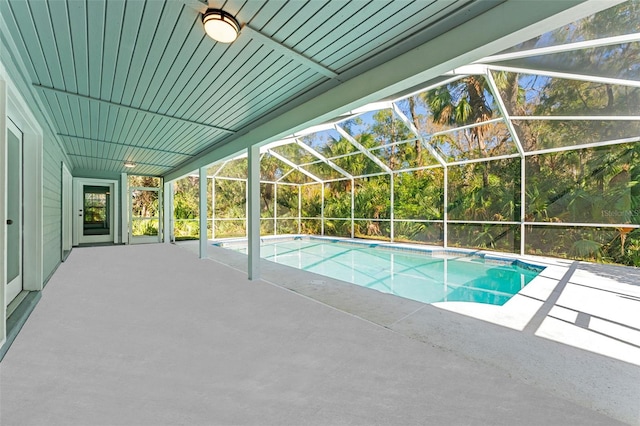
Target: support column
<point x="275" y="209"/>
<point x="523" y="173"/>
<point x="167" y="211"/>
<point x="322" y="210"/>
<point x="353" y="206"/>
<point x="253" y="217"/>
<point x="246" y="207"/>
<point x="203" y="212"/>
<point x="391" y="215"/>
<point x="299" y="209"/>
<point x="445" y="206"/>
<point x="124" y="208"/>
<point x="213" y="208"/>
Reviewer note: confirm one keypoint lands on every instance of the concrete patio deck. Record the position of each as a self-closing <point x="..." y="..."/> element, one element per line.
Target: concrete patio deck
<point x="151" y="335"/>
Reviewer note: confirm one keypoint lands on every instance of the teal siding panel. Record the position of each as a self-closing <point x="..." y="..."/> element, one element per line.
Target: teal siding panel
<point x="52" y="158"/>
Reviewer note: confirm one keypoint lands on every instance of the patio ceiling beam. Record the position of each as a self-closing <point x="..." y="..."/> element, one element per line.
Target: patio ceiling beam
<point x="281" y="142"/>
<point x="415" y="131"/>
<point x="567" y="75"/>
<point x="238" y="157"/>
<point x="324" y="159"/>
<point x="576" y="117"/>
<point x="483" y="159"/>
<point x="467" y="126"/>
<point x="569" y="47"/>
<point x="224" y="163"/>
<point x="585" y="224"/>
<point x="285" y="175"/>
<point x="505" y="113"/>
<point x="470" y="41"/>
<point x="440" y="83"/>
<point x="131" y="108"/>
<point x="295" y="166"/>
<point x="286" y="51"/>
<point x="584" y="146"/>
<point x="373" y="106"/>
<point x="363" y="150"/>
<point x="100" y="141"/>
<point x="118" y="161"/>
<point x="313" y="129"/>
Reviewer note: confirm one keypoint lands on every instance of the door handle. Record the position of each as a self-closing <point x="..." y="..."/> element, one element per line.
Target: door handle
<point x="9" y="222"/>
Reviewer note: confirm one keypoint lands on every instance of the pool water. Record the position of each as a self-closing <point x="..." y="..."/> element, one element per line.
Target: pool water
<point x="412" y="275"/>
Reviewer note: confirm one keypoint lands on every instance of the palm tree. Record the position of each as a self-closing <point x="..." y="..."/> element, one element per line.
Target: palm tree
<point x="461" y="103"/>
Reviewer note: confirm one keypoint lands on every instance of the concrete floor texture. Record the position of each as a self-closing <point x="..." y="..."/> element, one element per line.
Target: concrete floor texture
<point x="152" y="335"/>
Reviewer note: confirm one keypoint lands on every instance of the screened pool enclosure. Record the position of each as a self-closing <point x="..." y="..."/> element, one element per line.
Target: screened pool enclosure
<point x="534" y="150"/>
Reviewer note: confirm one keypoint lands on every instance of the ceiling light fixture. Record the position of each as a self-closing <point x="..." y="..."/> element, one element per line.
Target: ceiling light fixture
<point x="129" y="164"/>
<point x="220" y="25"/>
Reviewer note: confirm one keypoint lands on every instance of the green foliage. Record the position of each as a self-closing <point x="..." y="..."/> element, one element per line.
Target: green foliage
<point x="485" y="236"/>
<point x="586" y="249"/>
<point x="186" y="229"/>
<point x="185" y="201"/>
<point x="145" y="227"/>
<point x="418" y="232"/>
<point x="419" y="195"/>
<point x="488" y="191"/>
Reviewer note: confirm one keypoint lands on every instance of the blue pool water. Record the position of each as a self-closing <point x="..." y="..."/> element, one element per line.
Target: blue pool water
<point x="408" y="274"/>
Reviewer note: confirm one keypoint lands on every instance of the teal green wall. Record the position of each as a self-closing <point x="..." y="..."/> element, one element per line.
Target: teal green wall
<point x="52" y="159"/>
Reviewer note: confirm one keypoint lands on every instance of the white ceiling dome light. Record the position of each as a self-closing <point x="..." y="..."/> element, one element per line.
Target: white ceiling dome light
<point x="220" y="25"/>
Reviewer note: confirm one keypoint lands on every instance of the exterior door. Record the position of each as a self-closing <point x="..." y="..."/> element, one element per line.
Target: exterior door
<point x="97" y="214"/>
<point x="95" y="203"/>
<point x="14" y="212"/>
<point x="144" y="215"/>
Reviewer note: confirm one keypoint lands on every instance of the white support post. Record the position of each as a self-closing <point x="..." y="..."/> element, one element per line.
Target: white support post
<point x="353" y="205"/>
<point x="445" y="207"/>
<point x="203" y="212"/>
<point x="246" y="208"/>
<point x="213" y="208"/>
<point x="167" y="214"/>
<point x="322" y="210"/>
<point x="172" y="223"/>
<point x="253" y="217"/>
<point x="124" y="208"/>
<point x="299" y="209"/>
<point x="275" y="209"/>
<point x="523" y="172"/>
<point x="391" y="215"/>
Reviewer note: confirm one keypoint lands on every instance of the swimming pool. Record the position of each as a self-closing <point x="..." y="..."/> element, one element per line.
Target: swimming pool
<point x="422" y="275"/>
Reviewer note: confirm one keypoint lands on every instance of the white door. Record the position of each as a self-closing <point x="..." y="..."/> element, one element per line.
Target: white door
<point x="14" y="212"/>
<point x="95" y="207"/>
